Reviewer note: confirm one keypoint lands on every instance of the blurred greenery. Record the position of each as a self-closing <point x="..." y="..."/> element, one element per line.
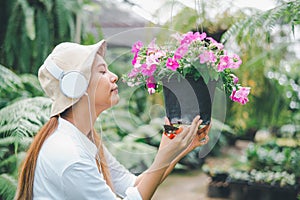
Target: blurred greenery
<point x="264" y="40"/>
<point x="31" y="28"/>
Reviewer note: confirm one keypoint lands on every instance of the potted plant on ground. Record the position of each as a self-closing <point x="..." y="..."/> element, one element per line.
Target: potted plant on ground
<point x="262" y="185"/>
<point x="218" y="186"/>
<point x="188" y="67"/>
<point x="238" y="184"/>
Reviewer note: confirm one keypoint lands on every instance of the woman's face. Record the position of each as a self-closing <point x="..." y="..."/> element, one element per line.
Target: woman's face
<point x="102" y="87"/>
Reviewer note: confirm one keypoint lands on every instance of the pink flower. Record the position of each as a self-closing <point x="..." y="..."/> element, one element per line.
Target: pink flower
<point x="150" y="82"/>
<point x="215" y="43"/>
<point x="151" y="91"/>
<point x="133" y="72"/>
<point x="240" y="95"/>
<point x="235" y="79"/>
<point x="160" y="53"/>
<point x="172" y="64"/>
<point x="235" y="62"/>
<point x="134" y="59"/>
<point x="181" y="51"/>
<point x="224" y="63"/>
<point x="152" y="47"/>
<point x="148" y="70"/>
<point x="199" y="36"/>
<point x="137" y="63"/>
<point x="136" y="47"/>
<point x="154" y="61"/>
<point x="188" y="38"/>
<point x="207" y="56"/>
<point x="151" y="59"/>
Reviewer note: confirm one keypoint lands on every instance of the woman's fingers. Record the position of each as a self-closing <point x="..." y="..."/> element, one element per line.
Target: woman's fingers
<point x="202" y="135"/>
<point x="186" y="138"/>
<point x="204" y="129"/>
<point x="204" y="141"/>
<point x="190" y="133"/>
<point x="193" y="129"/>
<point x="184" y="133"/>
<point x="167" y="122"/>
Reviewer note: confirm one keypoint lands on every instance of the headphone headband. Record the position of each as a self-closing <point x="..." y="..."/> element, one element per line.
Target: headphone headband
<point x="54" y="70"/>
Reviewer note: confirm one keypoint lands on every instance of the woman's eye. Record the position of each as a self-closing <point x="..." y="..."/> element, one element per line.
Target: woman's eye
<point x="102" y="72"/>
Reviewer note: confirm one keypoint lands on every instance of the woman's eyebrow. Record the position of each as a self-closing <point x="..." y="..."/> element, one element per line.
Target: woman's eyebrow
<point x="102" y="65"/>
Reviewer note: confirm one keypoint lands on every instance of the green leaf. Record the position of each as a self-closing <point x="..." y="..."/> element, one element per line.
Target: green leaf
<point x="11" y="87"/>
<point x="286" y="13"/>
<point x="205" y="76"/>
<point x="186" y="71"/>
<point x="8" y="186"/>
<point x="31" y="84"/>
<point x="203" y="69"/>
<point x="25" y="117"/>
<point x="29" y="19"/>
<point x="48" y="4"/>
<point x="214" y="75"/>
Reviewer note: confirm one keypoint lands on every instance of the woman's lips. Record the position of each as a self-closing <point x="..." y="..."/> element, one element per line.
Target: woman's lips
<point x="115" y="90"/>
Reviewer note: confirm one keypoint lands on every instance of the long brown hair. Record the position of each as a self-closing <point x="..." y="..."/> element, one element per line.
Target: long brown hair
<point x="102" y="164"/>
<point x="26" y="178"/>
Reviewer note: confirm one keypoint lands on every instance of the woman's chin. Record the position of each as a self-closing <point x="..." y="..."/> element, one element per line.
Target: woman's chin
<point x="115" y="100"/>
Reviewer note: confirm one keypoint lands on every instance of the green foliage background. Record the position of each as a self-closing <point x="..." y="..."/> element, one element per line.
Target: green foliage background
<point x="31" y="28"/>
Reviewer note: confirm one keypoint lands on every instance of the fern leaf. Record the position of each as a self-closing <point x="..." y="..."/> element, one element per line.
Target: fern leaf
<point x="5" y="142"/>
<point x="8" y="186"/>
<point x="12" y="163"/>
<point x="286" y="13"/>
<point x="31" y="84"/>
<point x="233" y="30"/>
<point x="9" y="164"/>
<point x="11" y="86"/>
<point x="9" y="80"/>
<point x="24" y="118"/>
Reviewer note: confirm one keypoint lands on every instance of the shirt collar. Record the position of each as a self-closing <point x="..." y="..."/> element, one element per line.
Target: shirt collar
<point x="80" y="137"/>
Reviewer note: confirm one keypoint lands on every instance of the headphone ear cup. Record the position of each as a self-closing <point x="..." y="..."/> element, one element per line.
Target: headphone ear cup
<point x="73" y="84"/>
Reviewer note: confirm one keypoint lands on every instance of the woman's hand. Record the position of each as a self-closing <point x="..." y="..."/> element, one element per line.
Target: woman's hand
<point x="171" y="148"/>
<point x="169" y="153"/>
<point x="199" y="139"/>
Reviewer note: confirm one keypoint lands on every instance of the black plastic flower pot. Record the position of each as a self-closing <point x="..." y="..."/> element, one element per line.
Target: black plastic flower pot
<point x="286" y="193"/>
<point x="186" y="98"/>
<point x="238" y="190"/>
<point x="220" y="177"/>
<point x="258" y="191"/>
<point x="218" y="189"/>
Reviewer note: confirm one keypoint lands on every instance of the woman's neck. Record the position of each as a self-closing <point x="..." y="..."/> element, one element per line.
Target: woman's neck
<point x="81" y="115"/>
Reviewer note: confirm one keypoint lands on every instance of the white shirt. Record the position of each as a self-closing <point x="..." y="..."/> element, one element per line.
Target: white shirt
<point x="66" y="169"/>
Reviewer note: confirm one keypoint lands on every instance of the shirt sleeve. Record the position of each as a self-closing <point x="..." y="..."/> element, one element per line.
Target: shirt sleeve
<point x="82" y="181"/>
<point x="123" y="180"/>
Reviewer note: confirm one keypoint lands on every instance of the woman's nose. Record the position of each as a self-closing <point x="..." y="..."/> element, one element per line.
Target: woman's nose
<point x="114" y="78"/>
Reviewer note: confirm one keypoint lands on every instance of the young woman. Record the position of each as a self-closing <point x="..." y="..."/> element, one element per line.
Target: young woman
<point x="67" y="159"/>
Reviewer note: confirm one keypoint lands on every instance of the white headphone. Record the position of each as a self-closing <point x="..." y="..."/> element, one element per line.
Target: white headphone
<point x="73" y="84"/>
